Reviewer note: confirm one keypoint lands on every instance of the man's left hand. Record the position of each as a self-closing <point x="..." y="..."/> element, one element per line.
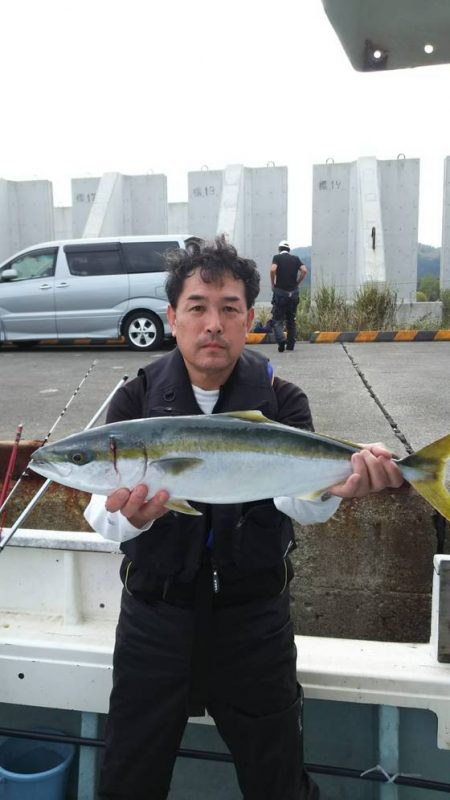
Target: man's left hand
<point x="373" y="470"/>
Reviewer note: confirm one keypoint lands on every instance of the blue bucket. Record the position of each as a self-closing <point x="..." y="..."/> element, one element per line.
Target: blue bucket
<point x="32" y="769"/>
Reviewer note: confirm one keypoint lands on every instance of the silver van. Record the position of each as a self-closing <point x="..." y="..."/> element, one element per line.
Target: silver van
<point x="89" y="288"/>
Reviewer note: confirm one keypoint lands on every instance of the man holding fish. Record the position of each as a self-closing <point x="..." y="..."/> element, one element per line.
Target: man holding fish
<point x="205" y="621"/>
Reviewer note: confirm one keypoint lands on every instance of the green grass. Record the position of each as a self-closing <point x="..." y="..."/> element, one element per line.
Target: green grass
<point x="373" y="307"/>
<point x="263" y="313"/>
<point x="445" y="299"/>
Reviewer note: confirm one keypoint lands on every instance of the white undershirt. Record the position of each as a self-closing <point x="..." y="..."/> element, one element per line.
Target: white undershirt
<point x="206" y="398"/>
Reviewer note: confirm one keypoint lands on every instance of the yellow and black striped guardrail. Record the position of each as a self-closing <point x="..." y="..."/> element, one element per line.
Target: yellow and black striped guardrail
<point x="68" y="342"/>
<point x="260" y="338"/>
<point x="317" y="337"/>
<point x="326" y="337"/>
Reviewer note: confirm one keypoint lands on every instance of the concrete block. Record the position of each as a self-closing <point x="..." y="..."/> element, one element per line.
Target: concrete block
<point x="145" y="205"/>
<point x="120" y="205"/>
<point x="370" y="262"/>
<point x="399" y="180"/>
<point x="106" y="213"/>
<point x="63" y="222"/>
<point x="84" y="191"/>
<point x="232" y="212"/>
<point x="266" y="219"/>
<point x="333" y="226"/>
<point x="248" y="204"/>
<point x="178" y="218"/>
<point x="26" y="215"/>
<point x="204" y="195"/>
<point x="33" y="211"/>
<point x="367" y="573"/>
<point x="349" y="202"/>
<point x="413" y="313"/>
<point x="361" y="615"/>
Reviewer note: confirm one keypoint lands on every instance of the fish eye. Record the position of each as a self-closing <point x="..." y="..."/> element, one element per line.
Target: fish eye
<point x="78" y="458"/>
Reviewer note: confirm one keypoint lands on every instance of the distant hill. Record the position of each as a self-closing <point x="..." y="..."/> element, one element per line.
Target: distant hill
<point x="428" y="261"/>
<point x="304" y="254"/>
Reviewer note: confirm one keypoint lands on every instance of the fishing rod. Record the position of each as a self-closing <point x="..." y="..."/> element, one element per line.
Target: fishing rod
<point x="11" y="464"/>
<point x="25" y="513"/>
<point x="9" y="471"/>
<point x="3" y="501"/>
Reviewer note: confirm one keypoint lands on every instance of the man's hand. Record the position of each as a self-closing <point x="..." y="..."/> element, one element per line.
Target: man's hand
<point x="373" y="470"/>
<point x="134" y="505"/>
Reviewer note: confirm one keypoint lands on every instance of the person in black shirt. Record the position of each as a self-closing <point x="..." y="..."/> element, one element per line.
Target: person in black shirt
<point x="205" y="616"/>
<point x="286" y="275"/>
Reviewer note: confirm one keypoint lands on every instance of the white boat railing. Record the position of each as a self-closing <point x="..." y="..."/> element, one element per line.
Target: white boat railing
<point x="60" y="595"/>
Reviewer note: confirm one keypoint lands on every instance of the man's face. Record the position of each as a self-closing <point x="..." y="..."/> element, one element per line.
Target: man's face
<point x="210" y="322"/>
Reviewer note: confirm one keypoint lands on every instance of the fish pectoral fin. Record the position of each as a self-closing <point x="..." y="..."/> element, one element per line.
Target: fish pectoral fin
<point x="316" y="495"/>
<point x="182" y="507"/>
<point x="176" y="466"/>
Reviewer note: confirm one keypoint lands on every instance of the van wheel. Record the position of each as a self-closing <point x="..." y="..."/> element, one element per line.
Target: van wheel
<point x="143" y="331"/>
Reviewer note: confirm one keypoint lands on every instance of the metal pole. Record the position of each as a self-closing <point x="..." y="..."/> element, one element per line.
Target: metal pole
<point x="87" y="766"/>
<point x="388" y="748"/>
<point x="57" y="420"/>
<point x="25" y="513"/>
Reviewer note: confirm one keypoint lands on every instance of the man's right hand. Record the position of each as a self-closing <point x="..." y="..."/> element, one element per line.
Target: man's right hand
<point x="135" y="506"/>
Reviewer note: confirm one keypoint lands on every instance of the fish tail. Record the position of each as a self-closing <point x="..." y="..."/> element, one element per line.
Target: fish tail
<point x="425" y="470"/>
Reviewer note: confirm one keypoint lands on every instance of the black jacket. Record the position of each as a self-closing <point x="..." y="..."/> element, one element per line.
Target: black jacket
<point x="248" y="538"/>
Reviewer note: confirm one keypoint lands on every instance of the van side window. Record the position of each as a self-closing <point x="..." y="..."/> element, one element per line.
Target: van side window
<point x="93" y="262"/>
<point x="33" y="265"/>
<point x="146" y="256"/>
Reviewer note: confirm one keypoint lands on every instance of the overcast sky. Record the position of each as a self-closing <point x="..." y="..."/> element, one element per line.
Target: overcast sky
<point x="171" y="85"/>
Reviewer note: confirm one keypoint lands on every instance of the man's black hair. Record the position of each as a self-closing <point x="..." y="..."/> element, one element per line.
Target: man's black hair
<point x="214" y="260"/>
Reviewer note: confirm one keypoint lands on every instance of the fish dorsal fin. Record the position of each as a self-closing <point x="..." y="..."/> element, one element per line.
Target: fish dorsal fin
<point x="247" y="416"/>
<point x="176" y="466"/>
<point x="342" y="441"/>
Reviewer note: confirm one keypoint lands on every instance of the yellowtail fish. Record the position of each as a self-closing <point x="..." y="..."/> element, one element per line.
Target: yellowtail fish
<point x="222" y="458"/>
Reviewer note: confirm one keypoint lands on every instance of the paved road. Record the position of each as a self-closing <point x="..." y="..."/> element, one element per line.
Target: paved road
<point x="410" y="381"/>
